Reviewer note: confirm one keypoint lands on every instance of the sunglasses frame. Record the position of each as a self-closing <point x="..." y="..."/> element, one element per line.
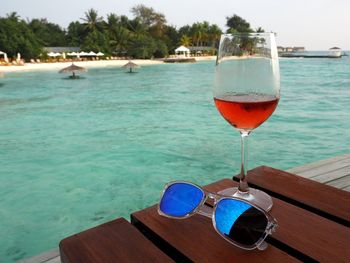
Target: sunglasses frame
<point x="209" y="212"/>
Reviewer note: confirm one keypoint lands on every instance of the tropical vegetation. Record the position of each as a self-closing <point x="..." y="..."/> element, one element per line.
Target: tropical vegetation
<point x="146" y="35"/>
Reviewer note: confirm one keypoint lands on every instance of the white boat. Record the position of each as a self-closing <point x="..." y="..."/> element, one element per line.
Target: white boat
<point x="335" y="52"/>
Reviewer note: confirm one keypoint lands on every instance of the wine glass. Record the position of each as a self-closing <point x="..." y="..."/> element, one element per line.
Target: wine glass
<point x="246" y="93"/>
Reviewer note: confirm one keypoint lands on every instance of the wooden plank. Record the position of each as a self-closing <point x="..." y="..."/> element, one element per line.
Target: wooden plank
<point x="341" y="183"/>
<point x="53" y="260"/>
<point x="115" y="241"/>
<point x="313" y="173"/>
<point x="310" y="193"/>
<point x="322" y="166"/>
<point x="197" y="241"/>
<point x="332" y="175"/>
<point x="312" y="235"/>
<point x="48" y="256"/>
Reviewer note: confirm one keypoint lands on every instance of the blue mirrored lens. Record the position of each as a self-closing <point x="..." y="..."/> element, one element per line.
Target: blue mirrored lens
<point x="239" y="221"/>
<point x="180" y="199"/>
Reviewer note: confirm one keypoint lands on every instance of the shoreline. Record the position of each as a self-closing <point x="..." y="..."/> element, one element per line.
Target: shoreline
<point x="87" y="64"/>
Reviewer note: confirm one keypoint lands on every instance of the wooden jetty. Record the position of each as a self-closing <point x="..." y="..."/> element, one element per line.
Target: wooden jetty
<point x="179" y="60"/>
<point x="333" y="172"/>
<point x="309" y="56"/>
<point x="52" y="256"/>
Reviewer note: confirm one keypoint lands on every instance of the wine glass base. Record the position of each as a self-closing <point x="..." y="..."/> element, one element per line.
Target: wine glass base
<point x="255" y="196"/>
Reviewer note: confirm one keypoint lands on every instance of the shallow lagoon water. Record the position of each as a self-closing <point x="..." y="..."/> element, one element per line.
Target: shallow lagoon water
<point x="77" y="153"/>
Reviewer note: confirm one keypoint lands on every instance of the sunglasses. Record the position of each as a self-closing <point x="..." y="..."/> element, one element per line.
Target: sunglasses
<point x="239" y="222"/>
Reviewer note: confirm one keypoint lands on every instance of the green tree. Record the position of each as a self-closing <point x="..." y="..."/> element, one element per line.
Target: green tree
<point x="137" y="27"/>
<point x="96" y="38"/>
<point x="142" y="46"/>
<point x="157" y="30"/>
<point x="237" y="24"/>
<point x="17" y="37"/>
<point x="185" y="41"/>
<point x="185" y="30"/>
<point x="145" y="14"/>
<point x="48" y="34"/>
<point x="171" y="37"/>
<point x="76" y="34"/>
<point x="196" y="33"/>
<point x="145" y="35"/>
<point x="148" y="15"/>
<point x="201" y="33"/>
<point x="259" y="30"/>
<point x="161" y="49"/>
<point x="117" y="33"/>
<point x="112" y="24"/>
<point x="125" y="22"/>
<point x="154" y="22"/>
<point x="92" y="21"/>
<point x="96" y="41"/>
<point x="214" y="35"/>
<point x="13" y="16"/>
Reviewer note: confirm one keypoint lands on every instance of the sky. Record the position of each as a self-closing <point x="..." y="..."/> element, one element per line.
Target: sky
<point x="314" y="24"/>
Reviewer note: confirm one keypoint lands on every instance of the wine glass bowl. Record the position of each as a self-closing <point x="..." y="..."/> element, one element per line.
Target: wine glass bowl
<point x="246" y="93"/>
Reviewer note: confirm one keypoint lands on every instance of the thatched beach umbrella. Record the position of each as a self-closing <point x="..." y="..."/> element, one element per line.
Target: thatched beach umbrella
<point x="72" y="68"/>
<point x="130" y="65"/>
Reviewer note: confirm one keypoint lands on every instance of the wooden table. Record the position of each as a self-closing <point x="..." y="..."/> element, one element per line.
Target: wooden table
<point x="313" y="219"/>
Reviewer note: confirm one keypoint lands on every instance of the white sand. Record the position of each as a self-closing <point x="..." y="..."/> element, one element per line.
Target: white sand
<point x="205" y="58"/>
<point x="87" y="64"/>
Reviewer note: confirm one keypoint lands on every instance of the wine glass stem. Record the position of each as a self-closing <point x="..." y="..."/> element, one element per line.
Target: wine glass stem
<point x="243" y="183"/>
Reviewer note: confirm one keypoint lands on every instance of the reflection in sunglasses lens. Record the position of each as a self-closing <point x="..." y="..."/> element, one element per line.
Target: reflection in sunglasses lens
<point x="180" y="199"/>
<point x="240" y="222"/>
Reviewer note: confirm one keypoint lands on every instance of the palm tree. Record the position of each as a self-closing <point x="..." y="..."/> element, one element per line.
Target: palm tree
<point x="185" y="41"/>
<point x="260" y="30"/>
<point x="118" y="34"/>
<point x="112" y="25"/>
<point x="13" y="16"/>
<point x="112" y="28"/>
<point x="199" y="32"/>
<point x="214" y="34"/>
<point x="205" y="35"/>
<point x="137" y="27"/>
<point x="196" y="34"/>
<point x="92" y="21"/>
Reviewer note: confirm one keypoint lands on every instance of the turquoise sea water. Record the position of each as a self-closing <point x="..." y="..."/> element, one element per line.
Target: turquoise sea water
<point x="75" y="154"/>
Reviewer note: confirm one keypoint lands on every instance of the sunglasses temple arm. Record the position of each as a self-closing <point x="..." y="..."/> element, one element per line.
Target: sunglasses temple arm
<point x="206" y="211"/>
<point x="262" y="246"/>
<point x="272" y="225"/>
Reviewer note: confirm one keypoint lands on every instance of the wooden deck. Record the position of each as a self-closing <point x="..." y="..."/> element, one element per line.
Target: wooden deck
<point x="334" y="172"/>
<point x="52" y="256"/>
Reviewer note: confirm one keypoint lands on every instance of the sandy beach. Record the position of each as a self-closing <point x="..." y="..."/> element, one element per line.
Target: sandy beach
<point x="87" y="64"/>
